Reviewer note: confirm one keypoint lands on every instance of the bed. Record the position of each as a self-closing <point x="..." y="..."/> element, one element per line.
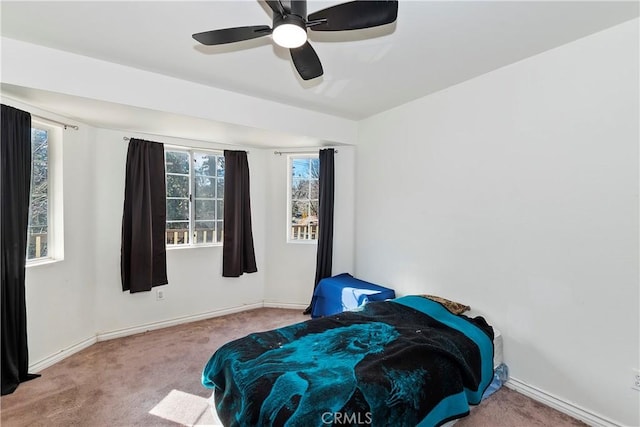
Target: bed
<point x="402" y="362"/>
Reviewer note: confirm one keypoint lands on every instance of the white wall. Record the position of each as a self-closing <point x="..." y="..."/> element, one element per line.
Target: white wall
<point x="291" y="267"/>
<point x="517" y="192"/>
<point x="196" y="285"/>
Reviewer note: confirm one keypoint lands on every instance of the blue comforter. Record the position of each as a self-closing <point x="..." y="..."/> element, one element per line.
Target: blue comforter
<point x="404" y="362"/>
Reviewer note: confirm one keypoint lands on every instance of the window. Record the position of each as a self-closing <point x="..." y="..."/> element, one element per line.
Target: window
<point x="195" y="194"/>
<point x="45" y="217"/>
<point x="304" y="173"/>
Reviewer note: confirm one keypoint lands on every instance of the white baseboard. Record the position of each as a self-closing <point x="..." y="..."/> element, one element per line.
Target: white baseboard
<point x="559" y="404"/>
<point x="62" y="354"/>
<point x="119" y="333"/>
<point x="104" y="336"/>
<point x="289" y="305"/>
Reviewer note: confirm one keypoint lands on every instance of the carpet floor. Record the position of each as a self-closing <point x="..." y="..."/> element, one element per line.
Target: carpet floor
<point x="153" y="379"/>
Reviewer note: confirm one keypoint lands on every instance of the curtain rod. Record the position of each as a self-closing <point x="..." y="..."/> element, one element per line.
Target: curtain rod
<point x="126" y="138"/>
<point x="66" y="125"/>
<point x="280" y="153"/>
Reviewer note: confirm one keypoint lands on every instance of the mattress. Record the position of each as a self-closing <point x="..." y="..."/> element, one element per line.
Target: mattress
<point x="497" y="348"/>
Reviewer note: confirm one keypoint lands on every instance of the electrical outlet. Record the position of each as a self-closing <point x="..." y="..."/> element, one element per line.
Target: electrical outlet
<point x="636" y="380"/>
<point x="159" y="294"/>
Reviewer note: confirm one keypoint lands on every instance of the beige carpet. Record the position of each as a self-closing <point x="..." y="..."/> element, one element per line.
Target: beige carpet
<point x="153" y="379"/>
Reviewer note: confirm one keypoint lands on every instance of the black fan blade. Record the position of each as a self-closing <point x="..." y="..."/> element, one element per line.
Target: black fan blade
<point x="276" y="6"/>
<point x="230" y="35"/>
<point x="306" y="61"/>
<point x="354" y="15"/>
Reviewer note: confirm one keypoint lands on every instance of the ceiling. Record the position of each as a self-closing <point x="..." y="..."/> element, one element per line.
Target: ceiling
<point x="432" y="45"/>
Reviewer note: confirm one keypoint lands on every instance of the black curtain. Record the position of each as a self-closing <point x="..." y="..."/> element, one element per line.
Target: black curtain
<point x="324" y="257"/>
<point x="238" y="254"/>
<point x="143" y="259"/>
<point x="15" y="186"/>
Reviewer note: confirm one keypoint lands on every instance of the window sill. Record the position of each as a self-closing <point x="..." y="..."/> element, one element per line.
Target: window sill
<point x="303" y="242"/>
<point x="41" y="262"/>
<point x="182" y="247"/>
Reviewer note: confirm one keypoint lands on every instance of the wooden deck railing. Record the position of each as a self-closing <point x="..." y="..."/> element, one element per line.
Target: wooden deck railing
<point x="174" y="237"/>
<point x="304" y="232"/>
<point x="39" y="240"/>
<point x="181" y="236"/>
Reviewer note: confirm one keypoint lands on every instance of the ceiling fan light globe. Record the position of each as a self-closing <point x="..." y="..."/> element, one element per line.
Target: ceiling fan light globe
<point x="289" y="35"/>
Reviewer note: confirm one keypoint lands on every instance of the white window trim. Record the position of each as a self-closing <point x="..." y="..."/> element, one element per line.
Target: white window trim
<point x="55" y="195"/>
<point x="290" y="158"/>
<point x="190" y="151"/>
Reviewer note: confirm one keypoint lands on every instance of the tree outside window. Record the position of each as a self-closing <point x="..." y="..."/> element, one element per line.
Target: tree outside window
<point x="38" y="229"/>
<point x="303" y="200"/>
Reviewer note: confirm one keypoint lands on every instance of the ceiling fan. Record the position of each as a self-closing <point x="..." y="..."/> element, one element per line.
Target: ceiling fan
<point x="290" y="24"/>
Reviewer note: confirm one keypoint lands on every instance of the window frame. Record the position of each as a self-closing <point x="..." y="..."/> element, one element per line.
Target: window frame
<point x="55" y="212"/>
<point x="290" y="158"/>
<point x="192" y="152"/>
